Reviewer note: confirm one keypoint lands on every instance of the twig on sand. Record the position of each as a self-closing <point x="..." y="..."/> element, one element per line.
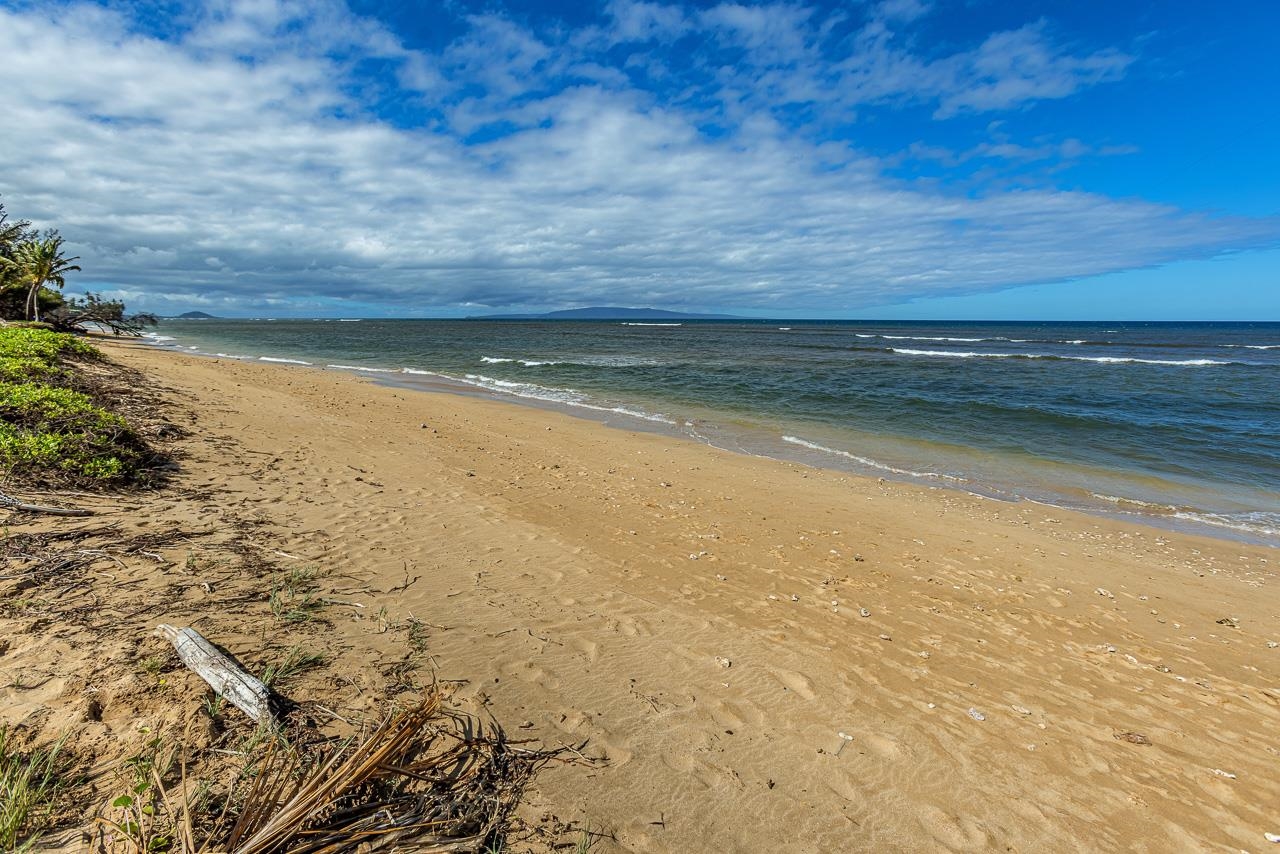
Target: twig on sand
<point x="10" y="501"/>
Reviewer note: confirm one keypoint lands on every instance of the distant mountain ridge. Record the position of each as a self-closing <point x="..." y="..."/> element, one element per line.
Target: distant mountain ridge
<point x="194" y="315"/>
<point x="608" y="312"/>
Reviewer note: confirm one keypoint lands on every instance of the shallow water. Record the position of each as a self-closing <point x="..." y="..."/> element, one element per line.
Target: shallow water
<point x="1176" y="423"/>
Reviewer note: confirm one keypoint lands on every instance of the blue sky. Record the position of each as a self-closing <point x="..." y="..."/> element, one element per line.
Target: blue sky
<point x="896" y="158"/>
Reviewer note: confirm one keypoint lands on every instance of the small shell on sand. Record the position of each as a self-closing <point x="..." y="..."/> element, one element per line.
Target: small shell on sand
<point x="977" y="715"/>
<point x="723" y="662"/>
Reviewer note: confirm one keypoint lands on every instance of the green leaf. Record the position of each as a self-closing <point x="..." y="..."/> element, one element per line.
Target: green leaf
<point x="122" y="802"/>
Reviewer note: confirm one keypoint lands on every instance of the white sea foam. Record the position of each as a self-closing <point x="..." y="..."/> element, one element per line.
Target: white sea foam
<point x="563" y="396"/>
<point x="1254" y="346"/>
<point x="954" y="354"/>
<point x="795" y="440"/>
<point x="1118" y="359"/>
<point x="1104" y="360"/>
<point x="652" y="324"/>
<point x="282" y="361"/>
<point x="784" y="328"/>
<point x="151" y="336"/>
<point x="363" y="368"/>
<point x="348" y="320"/>
<point x="1113" y="499"/>
<point x="231" y="356"/>
<point x="1261" y="524"/>
<point x="929" y="338"/>
<point x="529" y="363"/>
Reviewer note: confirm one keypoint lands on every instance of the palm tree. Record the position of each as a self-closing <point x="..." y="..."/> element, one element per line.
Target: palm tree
<point x="11" y="234"/>
<point x="41" y="263"/>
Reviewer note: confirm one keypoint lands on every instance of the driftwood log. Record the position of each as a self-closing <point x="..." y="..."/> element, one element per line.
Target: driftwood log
<point x="223" y="674"/>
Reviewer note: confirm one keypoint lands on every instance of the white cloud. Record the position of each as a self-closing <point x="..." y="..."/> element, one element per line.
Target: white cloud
<point x="237" y="165"/>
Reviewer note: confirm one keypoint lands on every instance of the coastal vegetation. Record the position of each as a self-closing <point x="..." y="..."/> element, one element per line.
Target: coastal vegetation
<point x="33" y="271"/>
<point x="57" y="426"/>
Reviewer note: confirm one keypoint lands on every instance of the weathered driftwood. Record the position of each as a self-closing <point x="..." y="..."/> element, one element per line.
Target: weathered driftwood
<point x="10" y="501"/>
<point x="223" y="674"/>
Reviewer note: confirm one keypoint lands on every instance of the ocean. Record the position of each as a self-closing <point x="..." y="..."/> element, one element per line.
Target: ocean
<point x="1174" y="424"/>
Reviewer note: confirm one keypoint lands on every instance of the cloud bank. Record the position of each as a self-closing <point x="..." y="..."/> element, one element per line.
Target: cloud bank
<point x="273" y="156"/>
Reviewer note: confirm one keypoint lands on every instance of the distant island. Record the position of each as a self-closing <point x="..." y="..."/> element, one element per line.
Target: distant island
<point x="194" y="315"/>
<point x="608" y="313"/>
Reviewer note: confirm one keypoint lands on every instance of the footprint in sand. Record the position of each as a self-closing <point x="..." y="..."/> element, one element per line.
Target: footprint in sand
<point x="727" y="715"/>
<point x="962" y="834"/>
<point x="589" y="648"/>
<point x="797" y="682"/>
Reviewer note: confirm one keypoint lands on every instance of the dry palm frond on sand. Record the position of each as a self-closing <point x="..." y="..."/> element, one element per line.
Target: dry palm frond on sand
<point x="424" y="780"/>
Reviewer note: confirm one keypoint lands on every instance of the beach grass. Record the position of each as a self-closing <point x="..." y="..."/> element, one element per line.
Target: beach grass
<point x="29" y="783"/>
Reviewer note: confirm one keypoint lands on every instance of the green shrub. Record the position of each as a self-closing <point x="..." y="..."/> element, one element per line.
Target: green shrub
<point x="25" y="342"/>
<point x="14" y="370"/>
<point x="49" y="434"/>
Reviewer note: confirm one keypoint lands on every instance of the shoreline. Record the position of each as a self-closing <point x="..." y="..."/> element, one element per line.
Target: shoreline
<point x="759" y="440"/>
<point x="696" y="618"/>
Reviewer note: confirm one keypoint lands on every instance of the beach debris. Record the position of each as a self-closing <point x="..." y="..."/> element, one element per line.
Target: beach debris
<point x="9" y="501"/>
<point x="1272" y="644"/>
<point x="976" y="715"/>
<point x="1222" y="773"/>
<point x="795" y="598"/>
<point x="1022" y="710"/>
<point x="723" y="662"/>
<point x="1102" y="591"/>
<point x="720" y="577"/>
<point x="932" y="705"/>
<point x="1228" y="621"/>
<point x="924" y="653"/>
<point x="863" y="612"/>
<point x="885" y="638"/>
<point x="1271" y="837"/>
<point x="1164" y="668"/>
<point x="773" y="597"/>
<point x="693" y="557"/>
<point x="227" y="678"/>
<point x="1132" y="738"/>
<point x="858" y="558"/>
<point x="845" y="738"/>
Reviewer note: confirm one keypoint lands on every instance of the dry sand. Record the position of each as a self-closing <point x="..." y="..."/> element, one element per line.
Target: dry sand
<point x="709" y="623"/>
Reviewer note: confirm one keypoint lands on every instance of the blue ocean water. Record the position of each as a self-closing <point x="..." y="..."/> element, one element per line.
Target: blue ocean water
<point x="1176" y="423"/>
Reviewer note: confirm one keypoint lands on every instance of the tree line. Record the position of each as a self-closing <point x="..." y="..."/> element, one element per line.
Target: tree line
<point x="33" y="272"/>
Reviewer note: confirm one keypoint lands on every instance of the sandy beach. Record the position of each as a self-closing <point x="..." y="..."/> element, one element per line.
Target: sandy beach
<point x="705" y="626"/>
